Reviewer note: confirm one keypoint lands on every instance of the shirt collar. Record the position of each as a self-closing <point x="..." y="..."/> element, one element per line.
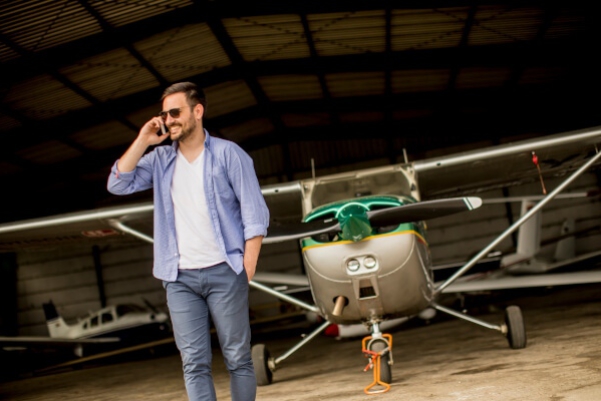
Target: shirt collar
<point x="207" y="139"/>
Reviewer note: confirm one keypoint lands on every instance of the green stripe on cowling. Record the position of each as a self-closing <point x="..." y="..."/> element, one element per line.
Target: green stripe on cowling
<point x="368" y="201"/>
<point x="308" y="242"/>
<point x="352" y="216"/>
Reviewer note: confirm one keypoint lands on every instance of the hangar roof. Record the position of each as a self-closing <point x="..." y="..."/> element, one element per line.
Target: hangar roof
<point x="330" y="84"/>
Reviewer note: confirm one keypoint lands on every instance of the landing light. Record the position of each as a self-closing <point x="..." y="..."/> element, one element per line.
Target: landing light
<point x="369" y="262"/>
<point x="353" y="265"/>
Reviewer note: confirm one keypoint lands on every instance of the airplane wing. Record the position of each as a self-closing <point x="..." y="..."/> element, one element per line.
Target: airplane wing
<point x="36" y="343"/>
<point x="24" y="341"/>
<point x="92" y="226"/>
<point x="112" y="223"/>
<point x="20" y="347"/>
<point x="510" y="164"/>
<point x="471" y="284"/>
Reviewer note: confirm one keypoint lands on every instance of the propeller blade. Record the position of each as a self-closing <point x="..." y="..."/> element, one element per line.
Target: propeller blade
<point x="422" y="211"/>
<point x="384" y="217"/>
<point x="286" y="232"/>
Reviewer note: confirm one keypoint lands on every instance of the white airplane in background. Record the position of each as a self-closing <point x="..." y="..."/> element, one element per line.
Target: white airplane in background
<point x="127" y="322"/>
<point x="119" y="325"/>
<point x="363" y="238"/>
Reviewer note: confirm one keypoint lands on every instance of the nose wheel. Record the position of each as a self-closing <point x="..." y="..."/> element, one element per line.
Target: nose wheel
<point x="378" y="349"/>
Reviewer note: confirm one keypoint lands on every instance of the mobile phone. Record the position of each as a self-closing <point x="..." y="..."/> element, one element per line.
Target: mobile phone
<point x="163" y="128"/>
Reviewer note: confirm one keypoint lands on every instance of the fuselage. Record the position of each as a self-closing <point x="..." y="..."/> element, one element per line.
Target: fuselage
<point x="128" y="322"/>
<point x="385" y="275"/>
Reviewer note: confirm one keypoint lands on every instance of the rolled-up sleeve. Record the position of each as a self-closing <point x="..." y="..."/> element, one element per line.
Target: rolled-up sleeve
<point x="125" y="183"/>
<point x="254" y="211"/>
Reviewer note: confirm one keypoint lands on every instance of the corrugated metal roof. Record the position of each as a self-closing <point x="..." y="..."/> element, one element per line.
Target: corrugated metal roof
<point x="350" y="84"/>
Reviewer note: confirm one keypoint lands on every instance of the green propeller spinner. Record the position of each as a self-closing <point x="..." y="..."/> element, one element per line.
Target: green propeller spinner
<point x="354" y="222"/>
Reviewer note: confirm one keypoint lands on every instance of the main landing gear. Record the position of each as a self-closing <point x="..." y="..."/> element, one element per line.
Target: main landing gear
<point x="265" y="364"/>
<point x="513" y="328"/>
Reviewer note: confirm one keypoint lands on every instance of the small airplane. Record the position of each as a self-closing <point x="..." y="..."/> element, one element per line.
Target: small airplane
<point x="122" y="325"/>
<point x="127" y="322"/>
<point x="363" y="237"/>
<point x="500" y="270"/>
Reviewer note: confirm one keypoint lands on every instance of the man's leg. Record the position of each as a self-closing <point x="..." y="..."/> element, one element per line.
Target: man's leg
<point x="228" y="303"/>
<point x="191" y="326"/>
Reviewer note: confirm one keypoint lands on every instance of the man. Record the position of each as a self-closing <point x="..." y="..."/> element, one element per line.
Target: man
<point x="209" y="222"/>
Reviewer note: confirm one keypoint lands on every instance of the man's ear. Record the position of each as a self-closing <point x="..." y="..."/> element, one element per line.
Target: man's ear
<point x="199" y="111"/>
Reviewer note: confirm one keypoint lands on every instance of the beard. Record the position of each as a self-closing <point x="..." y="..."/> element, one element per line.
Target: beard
<point x="185" y="130"/>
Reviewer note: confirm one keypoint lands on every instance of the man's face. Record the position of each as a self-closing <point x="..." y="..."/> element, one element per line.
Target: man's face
<point x="182" y="126"/>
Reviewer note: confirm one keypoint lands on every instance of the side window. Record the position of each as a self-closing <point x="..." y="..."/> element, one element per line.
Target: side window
<point x="107" y="317"/>
<point x="94" y="321"/>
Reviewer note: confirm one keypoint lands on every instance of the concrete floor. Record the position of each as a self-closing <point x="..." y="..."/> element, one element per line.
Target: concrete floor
<point x="445" y="360"/>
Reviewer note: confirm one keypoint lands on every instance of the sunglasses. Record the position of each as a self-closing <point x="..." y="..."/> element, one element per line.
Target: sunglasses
<point x="174" y="113"/>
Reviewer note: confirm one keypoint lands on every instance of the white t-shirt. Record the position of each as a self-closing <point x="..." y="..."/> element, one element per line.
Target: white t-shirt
<point x="195" y="234"/>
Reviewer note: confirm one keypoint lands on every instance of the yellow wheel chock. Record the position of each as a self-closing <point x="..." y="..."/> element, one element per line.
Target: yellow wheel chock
<point x="375" y="359"/>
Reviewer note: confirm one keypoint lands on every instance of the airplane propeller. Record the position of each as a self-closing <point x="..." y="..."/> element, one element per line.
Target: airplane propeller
<point x="423" y="210"/>
<point x="354" y="222"/>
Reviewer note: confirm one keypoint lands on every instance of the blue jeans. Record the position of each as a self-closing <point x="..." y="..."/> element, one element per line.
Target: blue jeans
<point x="196" y="297"/>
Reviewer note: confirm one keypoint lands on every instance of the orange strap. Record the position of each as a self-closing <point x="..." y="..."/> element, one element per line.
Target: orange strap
<point x="375" y="359"/>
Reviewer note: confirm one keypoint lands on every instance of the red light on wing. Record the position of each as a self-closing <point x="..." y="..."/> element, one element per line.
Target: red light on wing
<point x="105" y="232"/>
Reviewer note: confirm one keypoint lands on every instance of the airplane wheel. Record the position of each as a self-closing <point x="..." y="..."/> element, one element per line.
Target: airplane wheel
<point x="385" y="367"/>
<point x="516" y="332"/>
<point x="261" y="357"/>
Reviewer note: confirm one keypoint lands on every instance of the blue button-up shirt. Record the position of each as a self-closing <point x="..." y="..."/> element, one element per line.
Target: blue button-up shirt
<point x="236" y="205"/>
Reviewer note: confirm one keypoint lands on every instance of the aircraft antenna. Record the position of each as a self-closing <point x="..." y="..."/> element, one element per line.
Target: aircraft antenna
<point x="405" y="156"/>
<point x="313" y="168"/>
<point x="540" y="175"/>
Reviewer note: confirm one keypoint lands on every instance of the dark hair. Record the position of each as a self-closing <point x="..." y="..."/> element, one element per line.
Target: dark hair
<point x="194" y="94"/>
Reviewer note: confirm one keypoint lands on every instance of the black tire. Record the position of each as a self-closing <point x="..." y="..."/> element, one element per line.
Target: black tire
<point x="385" y="367"/>
<point x="260" y="357"/>
<point x="516" y="331"/>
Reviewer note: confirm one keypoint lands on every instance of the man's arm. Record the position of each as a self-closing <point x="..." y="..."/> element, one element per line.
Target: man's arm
<point x="252" y="247"/>
<point x="146" y="137"/>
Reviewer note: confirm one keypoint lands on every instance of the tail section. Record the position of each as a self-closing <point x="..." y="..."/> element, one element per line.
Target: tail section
<point x="57" y="327"/>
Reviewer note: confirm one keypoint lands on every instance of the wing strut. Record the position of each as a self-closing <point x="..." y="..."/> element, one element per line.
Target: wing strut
<point x="122" y="227"/>
<point x="517" y="224"/>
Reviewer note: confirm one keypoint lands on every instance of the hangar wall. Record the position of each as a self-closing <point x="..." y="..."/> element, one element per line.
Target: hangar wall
<point x="68" y="276"/>
<point x="457" y="236"/>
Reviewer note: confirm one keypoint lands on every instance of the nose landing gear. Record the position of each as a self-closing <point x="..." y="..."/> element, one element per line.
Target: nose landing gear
<point x="378" y="348"/>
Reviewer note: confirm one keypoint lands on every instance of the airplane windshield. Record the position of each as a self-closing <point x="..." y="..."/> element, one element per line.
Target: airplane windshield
<point x="129" y="308"/>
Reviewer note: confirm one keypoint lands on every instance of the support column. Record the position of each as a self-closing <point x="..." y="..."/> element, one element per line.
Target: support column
<point x="9" y="325"/>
